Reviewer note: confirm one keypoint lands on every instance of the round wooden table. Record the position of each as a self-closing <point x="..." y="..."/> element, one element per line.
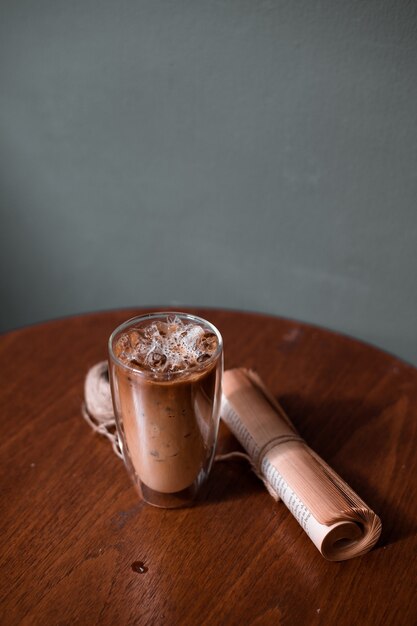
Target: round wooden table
<point x="73" y="524"/>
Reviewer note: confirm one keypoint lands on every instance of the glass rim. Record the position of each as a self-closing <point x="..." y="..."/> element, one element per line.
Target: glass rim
<point x="163" y="376"/>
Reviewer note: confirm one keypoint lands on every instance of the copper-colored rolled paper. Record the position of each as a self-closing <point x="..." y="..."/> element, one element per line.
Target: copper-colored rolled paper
<point x="337" y="521"/>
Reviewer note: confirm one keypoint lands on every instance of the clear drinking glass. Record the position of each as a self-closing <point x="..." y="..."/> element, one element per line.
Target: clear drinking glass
<point x="167" y="417"/>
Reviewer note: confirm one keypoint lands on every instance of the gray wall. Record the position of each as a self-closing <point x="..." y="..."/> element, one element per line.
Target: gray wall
<point x="258" y="154"/>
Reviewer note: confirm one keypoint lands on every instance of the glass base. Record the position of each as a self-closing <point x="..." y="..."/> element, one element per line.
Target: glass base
<point x="176" y="500"/>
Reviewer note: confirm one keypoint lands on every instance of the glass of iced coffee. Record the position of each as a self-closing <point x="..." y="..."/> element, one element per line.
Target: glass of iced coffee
<point x="165" y="374"/>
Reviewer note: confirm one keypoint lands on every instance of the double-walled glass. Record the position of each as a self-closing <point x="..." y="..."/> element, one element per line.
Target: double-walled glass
<point x="167" y="421"/>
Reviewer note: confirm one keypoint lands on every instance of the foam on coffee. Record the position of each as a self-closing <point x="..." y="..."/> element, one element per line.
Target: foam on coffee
<point x="166" y="346"/>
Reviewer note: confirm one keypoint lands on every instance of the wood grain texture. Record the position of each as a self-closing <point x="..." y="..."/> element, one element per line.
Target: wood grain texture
<point x="73" y="525"/>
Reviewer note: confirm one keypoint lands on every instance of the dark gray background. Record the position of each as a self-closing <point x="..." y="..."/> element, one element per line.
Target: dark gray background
<point x="247" y="154"/>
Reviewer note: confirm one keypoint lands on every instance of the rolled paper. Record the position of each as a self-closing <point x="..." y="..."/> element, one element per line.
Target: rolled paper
<point x="337" y="521"/>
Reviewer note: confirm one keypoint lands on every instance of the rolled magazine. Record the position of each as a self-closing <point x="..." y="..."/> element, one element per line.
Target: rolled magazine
<point x="337" y="521"/>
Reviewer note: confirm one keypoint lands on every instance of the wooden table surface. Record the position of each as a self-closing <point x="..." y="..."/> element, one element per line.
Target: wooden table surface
<point x="73" y="524"/>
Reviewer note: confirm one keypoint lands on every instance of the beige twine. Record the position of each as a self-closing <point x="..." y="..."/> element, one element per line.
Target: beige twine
<point x="98" y="412"/>
<point x="97" y="409"/>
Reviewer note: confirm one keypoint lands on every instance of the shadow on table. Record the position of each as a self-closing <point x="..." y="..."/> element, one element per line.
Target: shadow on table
<point x="229" y="480"/>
